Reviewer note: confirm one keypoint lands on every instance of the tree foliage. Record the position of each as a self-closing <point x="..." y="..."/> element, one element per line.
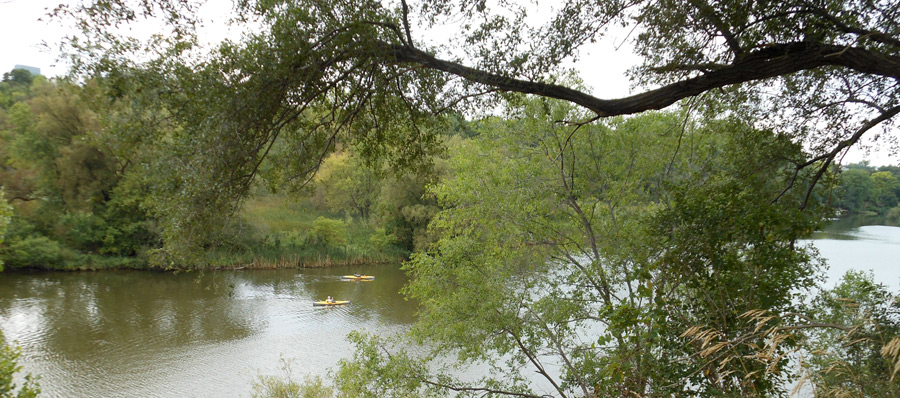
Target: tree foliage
<point x="347" y="185"/>
<point x="309" y="74"/>
<point x="861" y="319"/>
<point x="594" y="252"/>
<point x="73" y="190"/>
<point x="5" y="215"/>
<point x="9" y="367"/>
<point x="596" y="244"/>
<point x="861" y="188"/>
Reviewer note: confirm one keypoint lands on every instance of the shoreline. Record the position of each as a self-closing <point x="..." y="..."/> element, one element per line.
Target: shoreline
<point x="255" y="264"/>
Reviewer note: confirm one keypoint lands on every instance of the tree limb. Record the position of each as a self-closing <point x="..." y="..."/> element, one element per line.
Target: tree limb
<point x="772" y="61"/>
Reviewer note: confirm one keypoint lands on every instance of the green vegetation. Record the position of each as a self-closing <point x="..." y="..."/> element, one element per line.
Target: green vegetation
<point x="853" y="356"/>
<point x="9" y="356"/>
<point x="5" y="215"/>
<point x="285" y="387"/>
<point x="862" y="188"/>
<point x="593" y="252"/>
<point x="87" y="196"/>
<point x="74" y="207"/>
<point x="648" y="254"/>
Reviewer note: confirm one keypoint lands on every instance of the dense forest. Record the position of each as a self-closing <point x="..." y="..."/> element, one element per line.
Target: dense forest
<point x="647" y="245"/>
<point x="862" y="188"/>
<point x="85" y="198"/>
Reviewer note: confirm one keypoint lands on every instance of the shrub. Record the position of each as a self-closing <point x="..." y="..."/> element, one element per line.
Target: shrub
<point x="285" y="387"/>
<point x="35" y="252"/>
<point x="382" y="240"/>
<point x="84" y="231"/>
<point x="327" y="232"/>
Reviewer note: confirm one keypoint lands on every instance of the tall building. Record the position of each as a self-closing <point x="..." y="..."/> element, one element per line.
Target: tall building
<point x="30" y="69"/>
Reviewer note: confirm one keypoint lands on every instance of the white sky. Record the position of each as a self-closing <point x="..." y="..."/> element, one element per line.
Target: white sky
<point x="30" y="41"/>
<point x="23" y="35"/>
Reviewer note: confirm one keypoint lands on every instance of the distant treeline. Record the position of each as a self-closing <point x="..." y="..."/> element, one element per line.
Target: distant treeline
<point x="861" y="188"/>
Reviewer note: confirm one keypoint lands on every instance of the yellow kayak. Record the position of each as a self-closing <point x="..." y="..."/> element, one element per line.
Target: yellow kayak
<point x="358" y="277"/>
<point x="324" y="303"/>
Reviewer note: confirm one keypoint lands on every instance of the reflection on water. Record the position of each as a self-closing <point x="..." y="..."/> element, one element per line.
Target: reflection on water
<point x="164" y="334"/>
<point x="847" y="228"/>
<point x="147" y="334"/>
<point x="861" y="243"/>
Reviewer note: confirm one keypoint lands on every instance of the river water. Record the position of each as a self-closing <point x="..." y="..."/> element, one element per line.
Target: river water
<point x="148" y="334"/>
<point x="859" y="243"/>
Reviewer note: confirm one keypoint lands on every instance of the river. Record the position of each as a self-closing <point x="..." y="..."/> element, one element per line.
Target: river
<point x="860" y="243"/>
<point x="154" y="334"/>
<point x="150" y="334"/>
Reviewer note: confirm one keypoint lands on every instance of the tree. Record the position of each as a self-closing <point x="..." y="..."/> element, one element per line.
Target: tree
<point x="596" y="252"/>
<point x="856" y="191"/>
<point x="348" y="185"/>
<point x="320" y="73"/>
<point x="19" y="77"/>
<point x="16" y="86"/>
<point x="885" y="186"/>
<point x="837" y="55"/>
<point x="72" y="184"/>
<point x="862" y="318"/>
<point x="361" y="72"/>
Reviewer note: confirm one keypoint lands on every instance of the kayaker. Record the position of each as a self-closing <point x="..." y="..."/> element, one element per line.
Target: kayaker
<point x="329" y="299"/>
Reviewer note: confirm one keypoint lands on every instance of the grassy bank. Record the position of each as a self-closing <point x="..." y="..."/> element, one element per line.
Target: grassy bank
<point x="277" y="232"/>
<point x="272" y="231"/>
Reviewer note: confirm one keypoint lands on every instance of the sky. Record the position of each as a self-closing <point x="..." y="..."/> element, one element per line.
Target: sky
<point x="30" y="41"/>
<point x="23" y="36"/>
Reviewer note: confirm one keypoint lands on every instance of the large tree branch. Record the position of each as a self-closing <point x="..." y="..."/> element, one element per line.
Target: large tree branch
<point x="772" y="61"/>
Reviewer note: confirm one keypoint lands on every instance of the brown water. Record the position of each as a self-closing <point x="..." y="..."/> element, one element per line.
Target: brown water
<point x="148" y="334"/>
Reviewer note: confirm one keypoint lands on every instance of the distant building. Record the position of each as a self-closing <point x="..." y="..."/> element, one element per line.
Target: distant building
<point x="34" y="71"/>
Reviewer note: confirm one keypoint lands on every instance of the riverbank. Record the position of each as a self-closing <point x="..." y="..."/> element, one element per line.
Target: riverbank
<point x="270" y="232"/>
<point x="218" y="261"/>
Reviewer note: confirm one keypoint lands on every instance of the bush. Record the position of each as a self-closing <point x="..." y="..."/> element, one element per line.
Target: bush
<point x="277" y="387"/>
<point x="84" y="231"/>
<point x="36" y="252"/>
<point x="285" y="387"/>
<point x="5" y="216"/>
<point x="327" y="232"/>
<point x="382" y="240"/>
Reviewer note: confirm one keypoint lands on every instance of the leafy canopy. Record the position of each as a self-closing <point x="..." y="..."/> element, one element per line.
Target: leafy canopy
<point x="307" y="75"/>
<point x="596" y="251"/>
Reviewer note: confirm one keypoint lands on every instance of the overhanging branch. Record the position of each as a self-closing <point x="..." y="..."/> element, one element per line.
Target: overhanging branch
<point x="772" y="61"/>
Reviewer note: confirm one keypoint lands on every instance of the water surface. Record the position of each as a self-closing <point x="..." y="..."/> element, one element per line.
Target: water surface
<point x="149" y="334"/>
<point x="861" y="243"/>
